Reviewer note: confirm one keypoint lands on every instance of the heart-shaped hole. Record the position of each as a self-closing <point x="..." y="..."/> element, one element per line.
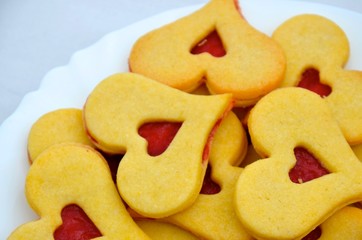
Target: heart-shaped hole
<point x="307" y="167"/>
<point x="76" y="225"/>
<point x="310" y="80"/>
<point x="209" y="187"/>
<point x="159" y="135"/>
<point x="211" y="44"/>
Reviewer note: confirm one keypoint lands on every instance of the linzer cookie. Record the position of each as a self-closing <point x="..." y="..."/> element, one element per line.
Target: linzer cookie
<point x="273" y="198"/>
<point x="216" y="46"/>
<point x="69" y="179"/>
<point x="316" y="51"/>
<point x="212" y="215"/>
<point x="58" y="126"/>
<point x="164" y="182"/>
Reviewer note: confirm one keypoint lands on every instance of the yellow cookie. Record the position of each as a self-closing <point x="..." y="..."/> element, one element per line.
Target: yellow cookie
<point x="316" y="50"/>
<point x="344" y="224"/>
<point x="160" y="185"/>
<point x="252" y="66"/>
<point x="72" y="174"/>
<point x="271" y="205"/>
<point x="212" y="216"/>
<point x="164" y="231"/>
<point x="58" y="126"/>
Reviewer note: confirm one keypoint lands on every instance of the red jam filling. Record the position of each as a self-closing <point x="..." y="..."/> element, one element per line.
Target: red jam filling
<point x="314" y="235"/>
<point x="76" y="225"/>
<point x="310" y="80"/>
<point x="209" y="186"/>
<point x="159" y="135"/>
<point x="207" y="149"/>
<point x="211" y="44"/>
<point x="307" y="167"/>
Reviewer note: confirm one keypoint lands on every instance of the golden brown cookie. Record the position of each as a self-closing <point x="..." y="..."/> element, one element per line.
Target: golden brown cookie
<point x="268" y="202"/>
<point x="163" y="184"/>
<point x="212" y="215"/>
<point x="73" y="174"/>
<point x="316" y="50"/>
<point x="252" y="66"/>
<point x="58" y="126"/>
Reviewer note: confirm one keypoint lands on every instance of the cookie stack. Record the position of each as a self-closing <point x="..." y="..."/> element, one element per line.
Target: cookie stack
<point x="217" y="132"/>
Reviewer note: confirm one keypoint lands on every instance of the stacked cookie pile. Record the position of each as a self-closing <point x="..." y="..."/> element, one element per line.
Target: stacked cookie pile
<point x="217" y="132"/>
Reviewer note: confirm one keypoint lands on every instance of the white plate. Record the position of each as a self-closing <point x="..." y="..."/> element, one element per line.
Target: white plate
<point x="68" y="86"/>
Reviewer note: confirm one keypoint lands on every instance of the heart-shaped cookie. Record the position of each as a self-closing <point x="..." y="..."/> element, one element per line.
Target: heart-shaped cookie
<point x="316" y="48"/>
<point x="252" y="66"/>
<point x="161" y="185"/>
<point x="58" y="126"/>
<point x="212" y="216"/>
<point x="68" y="174"/>
<point x="269" y="204"/>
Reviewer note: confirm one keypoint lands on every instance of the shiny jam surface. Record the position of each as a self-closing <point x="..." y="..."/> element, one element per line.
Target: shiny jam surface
<point x="76" y="225"/>
<point x="209" y="187"/>
<point x="211" y="44"/>
<point x="159" y="135"/>
<point x="310" y="80"/>
<point x="307" y="167"/>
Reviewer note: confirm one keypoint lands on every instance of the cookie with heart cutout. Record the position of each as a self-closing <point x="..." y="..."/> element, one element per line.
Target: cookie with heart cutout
<point x="115" y="114"/>
<point x="214" y="45"/>
<point x="316" y="50"/>
<point x="58" y="126"/>
<point x="267" y="198"/>
<point x="73" y="179"/>
<point x="212" y="215"/>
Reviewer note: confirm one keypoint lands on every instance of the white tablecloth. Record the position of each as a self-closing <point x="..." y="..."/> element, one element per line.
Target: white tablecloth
<point x="38" y="35"/>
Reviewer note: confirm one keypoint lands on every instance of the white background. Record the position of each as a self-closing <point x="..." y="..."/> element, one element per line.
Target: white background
<point x="38" y="35"/>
